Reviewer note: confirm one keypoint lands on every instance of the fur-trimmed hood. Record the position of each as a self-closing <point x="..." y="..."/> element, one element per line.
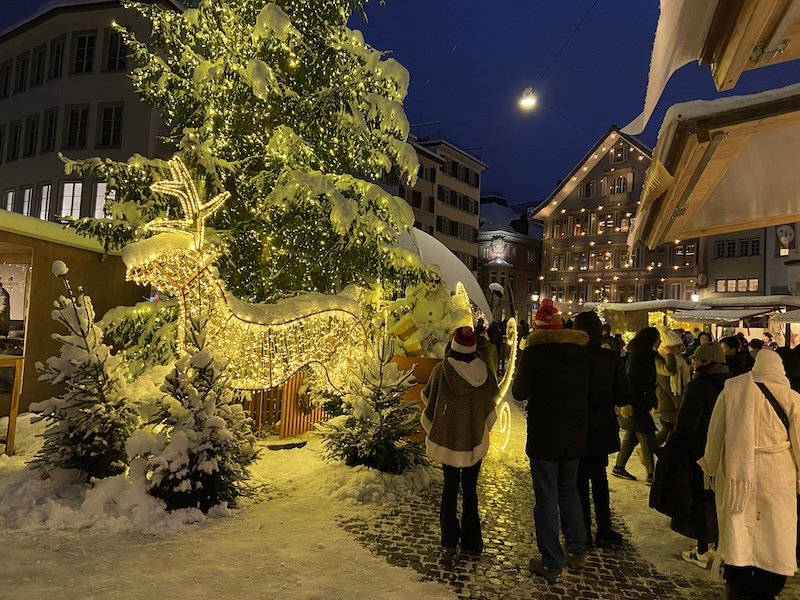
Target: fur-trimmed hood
<point x="557" y="336"/>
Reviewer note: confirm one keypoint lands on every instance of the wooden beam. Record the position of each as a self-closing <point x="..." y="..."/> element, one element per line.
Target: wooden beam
<point x="663" y="211"/>
<point x="724" y="156"/>
<point x="747" y="30"/>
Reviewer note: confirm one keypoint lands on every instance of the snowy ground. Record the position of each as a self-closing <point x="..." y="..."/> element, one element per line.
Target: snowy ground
<point x="115" y="543"/>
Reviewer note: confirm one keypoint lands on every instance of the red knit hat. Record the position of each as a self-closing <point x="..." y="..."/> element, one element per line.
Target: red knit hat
<point x="464" y="341"/>
<point x="548" y="316"/>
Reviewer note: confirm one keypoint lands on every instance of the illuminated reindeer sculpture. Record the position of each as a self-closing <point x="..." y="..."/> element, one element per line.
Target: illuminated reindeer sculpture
<point x="264" y="344"/>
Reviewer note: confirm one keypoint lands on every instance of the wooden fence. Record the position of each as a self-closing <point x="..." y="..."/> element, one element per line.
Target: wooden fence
<point x="280" y="407"/>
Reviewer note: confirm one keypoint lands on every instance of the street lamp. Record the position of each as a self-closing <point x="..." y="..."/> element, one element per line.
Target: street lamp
<point x="528" y="99"/>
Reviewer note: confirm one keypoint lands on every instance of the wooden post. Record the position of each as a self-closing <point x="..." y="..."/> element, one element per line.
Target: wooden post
<point x="17" y="363"/>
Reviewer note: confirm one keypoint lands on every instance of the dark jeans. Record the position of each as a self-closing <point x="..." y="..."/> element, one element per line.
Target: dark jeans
<point x="555" y="487"/>
<point x="629" y="441"/>
<point x="469" y="532"/>
<point x="751" y="583"/>
<point x="592" y="470"/>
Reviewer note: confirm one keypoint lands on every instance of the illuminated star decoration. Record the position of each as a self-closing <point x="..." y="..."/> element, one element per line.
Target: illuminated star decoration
<point x="195" y="212"/>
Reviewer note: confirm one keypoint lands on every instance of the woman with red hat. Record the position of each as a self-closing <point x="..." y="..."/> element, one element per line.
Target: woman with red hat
<point x="459" y="413"/>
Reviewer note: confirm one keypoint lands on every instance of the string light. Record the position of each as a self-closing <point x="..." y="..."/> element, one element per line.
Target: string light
<point x="263" y="344"/>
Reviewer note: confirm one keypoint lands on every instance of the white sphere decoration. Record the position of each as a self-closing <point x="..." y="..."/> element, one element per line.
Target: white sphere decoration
<point x="60" y="268"/>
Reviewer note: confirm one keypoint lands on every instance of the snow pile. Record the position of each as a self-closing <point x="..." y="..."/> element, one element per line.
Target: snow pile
<point x="118" y="504"/>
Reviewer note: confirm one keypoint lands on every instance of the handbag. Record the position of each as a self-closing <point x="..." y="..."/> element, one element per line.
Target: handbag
<point x="775" y="405"/>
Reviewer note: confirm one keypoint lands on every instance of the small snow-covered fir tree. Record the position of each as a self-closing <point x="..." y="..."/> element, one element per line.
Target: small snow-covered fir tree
<point x="90" y="421"/>
<point x="200" y="457"/>
<point x="376" y="421"/>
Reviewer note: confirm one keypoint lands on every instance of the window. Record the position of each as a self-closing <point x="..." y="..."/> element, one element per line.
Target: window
<point x="586" y="190"/>
<point x="531" y="256"/>
<point x="741" y="285"/>
<point x="56" y="58"/>
<point x="38" y="65"/>
<point x="730" y="248"/>
<point x="752" y="285"/>
<point x="27" y="200"/>
<point x="71" y="199"/>
<point x="76" y="129"/>
<point x="2" y="141"/>
<point x="100" y="194"/>
<point x="484" y="250"/>
<point x="115" y="54"/>
<point x="21" y="80"/>
<point x="605" y="224"/>
<point x="416" y="197"/>
<point x="111" y="131"/>
<point x="755" y="247"/>
<point x="83" y="53"/>
<point x="8" y="200"/>
<point x="5" y="79"/>
<point x="431" y="200"/>
<point x="618" y="154"/>
<point x="49" y="130"/>
<point x="618" y="185"/>
<point x="719" y="249"/>
<point x="44" y="201"/>
<point x="744" y="247"/>
<point x="15" y="138"/>
<point x="31" y="136"/>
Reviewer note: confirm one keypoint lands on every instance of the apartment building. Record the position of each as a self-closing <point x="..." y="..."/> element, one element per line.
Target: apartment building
<point x="446" y="196"/>
<point x="64" y="87"/>
<point x="586" y="222"/>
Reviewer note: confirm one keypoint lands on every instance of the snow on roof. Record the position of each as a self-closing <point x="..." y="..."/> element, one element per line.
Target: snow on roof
<point x="696" y="109"/>
<point x="667" y="304"/>
<point x="496" y="217"/>
<point x="717" y="316"/>
<point x="32" y="227"/>
<point x="680" y="35"/>
<point x="773" y="301"/>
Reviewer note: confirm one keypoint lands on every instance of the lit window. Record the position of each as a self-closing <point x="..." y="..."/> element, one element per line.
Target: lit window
<point x="71" y="199"/>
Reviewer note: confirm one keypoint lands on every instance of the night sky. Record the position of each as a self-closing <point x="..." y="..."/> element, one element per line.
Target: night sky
<point x="470" y="60"/>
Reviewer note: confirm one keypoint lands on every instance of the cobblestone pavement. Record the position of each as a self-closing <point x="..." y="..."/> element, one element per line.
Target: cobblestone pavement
<point x="407" y="535"/>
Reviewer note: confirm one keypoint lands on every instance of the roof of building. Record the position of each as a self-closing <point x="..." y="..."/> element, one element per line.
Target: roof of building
<point x="56" y="7"/>
<point x="576" y="176"/>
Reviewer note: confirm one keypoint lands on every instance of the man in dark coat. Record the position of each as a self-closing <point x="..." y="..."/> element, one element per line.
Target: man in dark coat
<point x="554" y="376"/>
<point x="608" y="387"/>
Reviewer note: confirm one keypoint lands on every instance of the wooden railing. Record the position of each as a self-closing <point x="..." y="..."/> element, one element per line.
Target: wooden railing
<point x="17" y="363"/>
<point x="281" y="406"/>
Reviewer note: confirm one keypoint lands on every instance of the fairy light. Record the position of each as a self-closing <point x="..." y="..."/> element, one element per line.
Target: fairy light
<point x="264" y="345"/>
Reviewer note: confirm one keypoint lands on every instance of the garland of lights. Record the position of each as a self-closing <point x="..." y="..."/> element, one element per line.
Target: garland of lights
<point x="264" y="345"/>
<point x="503" y="432"/>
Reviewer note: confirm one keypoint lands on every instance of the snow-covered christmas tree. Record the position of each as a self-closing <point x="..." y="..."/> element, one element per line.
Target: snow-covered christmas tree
<point x="376" y="422"/>
<point x="198" y="454"/>
<point x="292" y="113"/>
<point x="88" y="424"/>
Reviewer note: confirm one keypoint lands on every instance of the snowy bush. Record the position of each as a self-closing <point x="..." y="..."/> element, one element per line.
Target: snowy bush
<point x="145" y="333"/>
<point x="87" y="424"/>
<point x="197" y="453"/>
<point x="374" y="421"/>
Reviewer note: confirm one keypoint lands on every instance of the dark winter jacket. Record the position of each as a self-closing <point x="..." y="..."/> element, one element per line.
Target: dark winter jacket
<point x="487" y="352"/>
<point x="608" y="387"/>
<point x="554" y="374"/>
<point x="791" y="364"/>
<point x="739" y="363"/>
<point x="641" y="369"/>
<point x="459" y="411"/>
<point x="689" y="437"/>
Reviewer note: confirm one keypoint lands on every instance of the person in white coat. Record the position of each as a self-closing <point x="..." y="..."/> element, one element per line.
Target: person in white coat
<point x="752" y="459"/>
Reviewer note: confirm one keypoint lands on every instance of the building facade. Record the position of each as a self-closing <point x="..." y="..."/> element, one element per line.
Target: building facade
<point x="509" y="255"/>
<point x="65" y="87"/>
<point x="586" y="222"/>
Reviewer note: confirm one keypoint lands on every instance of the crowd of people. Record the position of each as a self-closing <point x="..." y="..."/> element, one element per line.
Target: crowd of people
<point x="716" y="425"/>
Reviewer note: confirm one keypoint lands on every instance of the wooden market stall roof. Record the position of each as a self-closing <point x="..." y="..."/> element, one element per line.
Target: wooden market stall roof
<point x="723" y="165"/>
<point x="731" y="36"/>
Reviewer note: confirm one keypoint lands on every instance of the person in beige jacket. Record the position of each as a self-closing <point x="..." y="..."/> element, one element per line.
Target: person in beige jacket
<point x="672" y="377"/>
<point x="752" y="458"/>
